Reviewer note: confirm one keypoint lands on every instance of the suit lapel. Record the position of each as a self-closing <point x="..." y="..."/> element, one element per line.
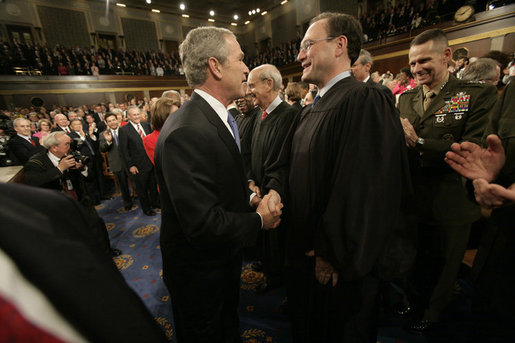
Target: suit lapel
<point x="214" y="119"/>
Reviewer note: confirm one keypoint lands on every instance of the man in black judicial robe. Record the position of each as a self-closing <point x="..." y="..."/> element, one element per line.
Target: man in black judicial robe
<point x="206" y="216"/>
<point x="347" y="177"/>
<point x="270" y="131"/>
<point x="249" y="113"/>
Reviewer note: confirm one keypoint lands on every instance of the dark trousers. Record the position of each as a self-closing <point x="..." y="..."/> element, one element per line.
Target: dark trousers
<point x="440" y="252"/>
<point x="146" y="188"/>
<point x="205" y="300"/>
<point x="122" y="177"/>
<point x="345" y="313"/>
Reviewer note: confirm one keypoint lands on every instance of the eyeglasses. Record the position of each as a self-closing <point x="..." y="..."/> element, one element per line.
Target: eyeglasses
<point x="308" y="43"/>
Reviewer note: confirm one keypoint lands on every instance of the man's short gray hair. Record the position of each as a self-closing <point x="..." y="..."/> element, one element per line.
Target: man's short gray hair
<point x="269" y="71"/>
<point x="481" y="70"/>
<point x="18" y="121"/>
<point x="52" y="139"/>
<point x="365" y="57"/>
<point x="199" y="45"/>
<point x="133" y="107"/>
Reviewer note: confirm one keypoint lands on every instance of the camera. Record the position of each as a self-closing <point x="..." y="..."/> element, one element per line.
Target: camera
<point x="75" y="151"/>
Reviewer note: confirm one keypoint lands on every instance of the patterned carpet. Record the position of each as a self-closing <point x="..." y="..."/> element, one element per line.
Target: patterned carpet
<point x="261" y="320"/>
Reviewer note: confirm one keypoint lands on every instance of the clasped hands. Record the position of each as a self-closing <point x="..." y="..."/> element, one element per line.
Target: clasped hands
<point x="409" y="133"/>
<point x="482" y="166"/>
<point x="269" y="207"/>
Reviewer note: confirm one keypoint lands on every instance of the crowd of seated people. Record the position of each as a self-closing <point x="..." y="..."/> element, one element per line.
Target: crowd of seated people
<point x="405" y="16"/>
<point x="78" y="61"/>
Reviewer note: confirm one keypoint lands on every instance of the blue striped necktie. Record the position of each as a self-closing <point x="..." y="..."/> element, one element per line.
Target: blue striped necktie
<point x="234" y="128"/>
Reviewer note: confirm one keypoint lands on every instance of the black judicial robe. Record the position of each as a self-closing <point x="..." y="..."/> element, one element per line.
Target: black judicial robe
<point x="245" y="128"/>
<point x="348" y="176"/>
<point x="267" y="140"/>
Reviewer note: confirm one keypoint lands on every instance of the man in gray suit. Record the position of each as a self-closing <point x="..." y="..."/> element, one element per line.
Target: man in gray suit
<point x="109" y="144"/>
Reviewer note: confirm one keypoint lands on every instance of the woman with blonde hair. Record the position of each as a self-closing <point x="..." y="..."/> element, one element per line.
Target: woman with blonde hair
<point x="44" y="126"/>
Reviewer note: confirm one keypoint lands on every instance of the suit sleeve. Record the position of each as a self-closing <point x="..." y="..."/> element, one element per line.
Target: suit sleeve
<point x="123" y="138"/>
<point x="193" y="176"/>
<point x="37" y="174"/>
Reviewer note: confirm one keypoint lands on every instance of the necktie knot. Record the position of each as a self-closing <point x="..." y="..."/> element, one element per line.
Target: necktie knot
<point x="428" y="97"/>
<point x="264" y="115"/>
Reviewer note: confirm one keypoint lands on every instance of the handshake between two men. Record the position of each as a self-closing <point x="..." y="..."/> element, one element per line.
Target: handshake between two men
<point x="269" y="207"/>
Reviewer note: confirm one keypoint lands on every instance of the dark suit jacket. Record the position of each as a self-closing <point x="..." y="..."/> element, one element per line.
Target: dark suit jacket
<point x="22" y="150"/>
<point x="40" y="172"/>
<point x="114" y="156"/>
<point x="48" y="237"/>
<point x="206" y="215"/>
<point x="385" y="89"/>
<point x="131" y="147"/>
<point x="58" y="128"/>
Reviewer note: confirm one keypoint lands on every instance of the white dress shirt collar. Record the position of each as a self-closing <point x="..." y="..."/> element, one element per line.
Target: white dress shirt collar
<point x="217" y="106"/>
<point x="54" y="159"/>
<point x="277" y="101"/>
<point x="333" y="81"/>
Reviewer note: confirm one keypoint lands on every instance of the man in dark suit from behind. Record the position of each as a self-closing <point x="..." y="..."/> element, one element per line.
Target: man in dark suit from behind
<point x="206" y="215"/>
<point x="271" y="131"/>
<point x="109" y="142"/>
<point x="140" y="167"/>
<point x="23" y="145"/>
<point x="68" y="279"/>
<point x="361" y="71"/>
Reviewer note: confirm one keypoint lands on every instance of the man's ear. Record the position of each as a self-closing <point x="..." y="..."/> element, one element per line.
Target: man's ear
<point x="447" y="55"/>
<point x="341" y="45"/>
<point x="215" y="68"/>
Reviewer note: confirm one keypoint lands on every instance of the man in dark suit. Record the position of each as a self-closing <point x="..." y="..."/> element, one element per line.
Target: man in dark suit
<point x="136" y="159"/>
<point x="361" y="71"/>
<point x="442" y="110"/>
<point x="23" y="145"/>
<point x="46" y="238"/>
<point x="271" y="130"/>
<point x="205" y="197"/>
<point x="109" y="142"/>
<point x="61" y="123"/>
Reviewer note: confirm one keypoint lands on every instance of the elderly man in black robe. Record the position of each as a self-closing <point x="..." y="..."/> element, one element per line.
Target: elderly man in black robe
<point x="271" y="129"/>
<point x="345" y="186"/>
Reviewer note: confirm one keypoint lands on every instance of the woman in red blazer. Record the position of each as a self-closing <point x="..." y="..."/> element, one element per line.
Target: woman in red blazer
<point x="160" y="110"/>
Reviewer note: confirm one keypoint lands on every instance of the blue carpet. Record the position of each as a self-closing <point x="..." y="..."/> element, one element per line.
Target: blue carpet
<point x="261" y="320"/>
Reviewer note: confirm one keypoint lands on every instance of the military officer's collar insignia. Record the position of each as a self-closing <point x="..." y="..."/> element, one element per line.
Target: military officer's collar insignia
<point x="457" y="104"/>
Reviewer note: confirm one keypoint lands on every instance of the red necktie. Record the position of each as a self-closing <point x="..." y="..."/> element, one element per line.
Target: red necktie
<point x="264" y="115"/>
<point x="32" y="142"/>
<point x="67" y="130"/>
<point x="140" y="131"/>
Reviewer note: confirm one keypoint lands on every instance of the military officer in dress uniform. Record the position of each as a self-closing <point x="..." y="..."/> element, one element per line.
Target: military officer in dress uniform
<point x="440" y="111"/>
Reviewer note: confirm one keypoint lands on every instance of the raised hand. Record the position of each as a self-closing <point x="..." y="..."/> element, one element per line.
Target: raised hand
<point x="474" y="162"/>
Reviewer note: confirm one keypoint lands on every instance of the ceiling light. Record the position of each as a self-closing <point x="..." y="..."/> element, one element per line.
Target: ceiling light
<point x="121" y="5"/>
<point x="253" y="11"/>
<point x="211" y="20"/>
<point x="263" y="13"/>
<point x="211" y="13"/>
<point x="186" y="15"/>
<point x="250" y="12"/>
<point x="182" y="7"/>
<point x="234" y="24"/>
<point x="258" y="10"/>
<point x="247" y="22"/>
<point x="149" y="2"/>
<point x="283" y="2"/>
<point x="156" y="11"/>
<point x="235" y="17"/>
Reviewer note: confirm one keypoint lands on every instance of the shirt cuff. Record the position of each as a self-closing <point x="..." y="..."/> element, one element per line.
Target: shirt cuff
<point x="260" y="218"/>
<point x="252" y="197"/>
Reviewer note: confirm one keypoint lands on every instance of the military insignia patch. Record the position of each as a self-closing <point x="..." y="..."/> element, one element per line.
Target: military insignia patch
<point x="458" y="103"/>
<point x="440" y="118"/>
